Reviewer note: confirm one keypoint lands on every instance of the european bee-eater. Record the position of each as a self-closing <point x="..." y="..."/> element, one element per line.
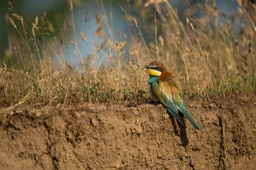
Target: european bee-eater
<point x="164" y="88"/>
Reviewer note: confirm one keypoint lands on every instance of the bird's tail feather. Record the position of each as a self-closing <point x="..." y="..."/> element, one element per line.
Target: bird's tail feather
<point x="192" y="120"/>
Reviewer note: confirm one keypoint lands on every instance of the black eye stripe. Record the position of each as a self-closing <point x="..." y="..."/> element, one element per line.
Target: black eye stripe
<point x="159" y="68"/>
<point x="156" y="68"/>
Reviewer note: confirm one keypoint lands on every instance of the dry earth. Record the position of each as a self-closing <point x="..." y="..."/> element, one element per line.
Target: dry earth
<point x="101" y="136"/>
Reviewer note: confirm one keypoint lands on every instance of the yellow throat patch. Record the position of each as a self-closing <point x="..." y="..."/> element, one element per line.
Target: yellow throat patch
<point x="153" y="72"/>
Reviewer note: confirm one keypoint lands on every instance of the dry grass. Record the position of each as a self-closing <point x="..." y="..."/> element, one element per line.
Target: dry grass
<point x="208" y="63"/>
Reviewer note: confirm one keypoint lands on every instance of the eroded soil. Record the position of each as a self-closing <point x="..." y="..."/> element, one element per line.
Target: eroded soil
<point x="100" y="136"/>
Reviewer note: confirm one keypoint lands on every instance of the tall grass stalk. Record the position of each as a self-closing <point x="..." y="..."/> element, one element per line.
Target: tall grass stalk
<point x="207" y="62"/>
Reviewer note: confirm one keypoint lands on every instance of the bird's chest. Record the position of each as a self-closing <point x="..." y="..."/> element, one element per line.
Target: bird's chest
<point x="152" y="92"/>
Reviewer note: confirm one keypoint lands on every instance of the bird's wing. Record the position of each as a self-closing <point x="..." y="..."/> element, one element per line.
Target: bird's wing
<point x="178" y="101"/>
<point x="164" y="94"/>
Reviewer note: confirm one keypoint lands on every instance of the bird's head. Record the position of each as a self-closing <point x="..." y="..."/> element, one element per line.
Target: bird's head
<point x="155" y="68"/>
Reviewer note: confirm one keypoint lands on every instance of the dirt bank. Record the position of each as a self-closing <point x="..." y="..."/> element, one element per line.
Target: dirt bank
<point x="100" y="136"/>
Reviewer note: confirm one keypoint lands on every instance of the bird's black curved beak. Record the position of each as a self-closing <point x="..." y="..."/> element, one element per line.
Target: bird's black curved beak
<point x="147" y="67"/>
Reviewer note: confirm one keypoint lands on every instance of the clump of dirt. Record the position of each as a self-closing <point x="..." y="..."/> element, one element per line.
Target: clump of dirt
<point x="100" y="136"/>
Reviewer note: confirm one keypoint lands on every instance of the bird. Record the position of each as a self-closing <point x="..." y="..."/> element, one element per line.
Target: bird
<point x="165" y="89"/>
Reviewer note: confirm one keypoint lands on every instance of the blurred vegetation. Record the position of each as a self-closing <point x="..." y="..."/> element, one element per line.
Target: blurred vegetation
<point x="208" y="58"/>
